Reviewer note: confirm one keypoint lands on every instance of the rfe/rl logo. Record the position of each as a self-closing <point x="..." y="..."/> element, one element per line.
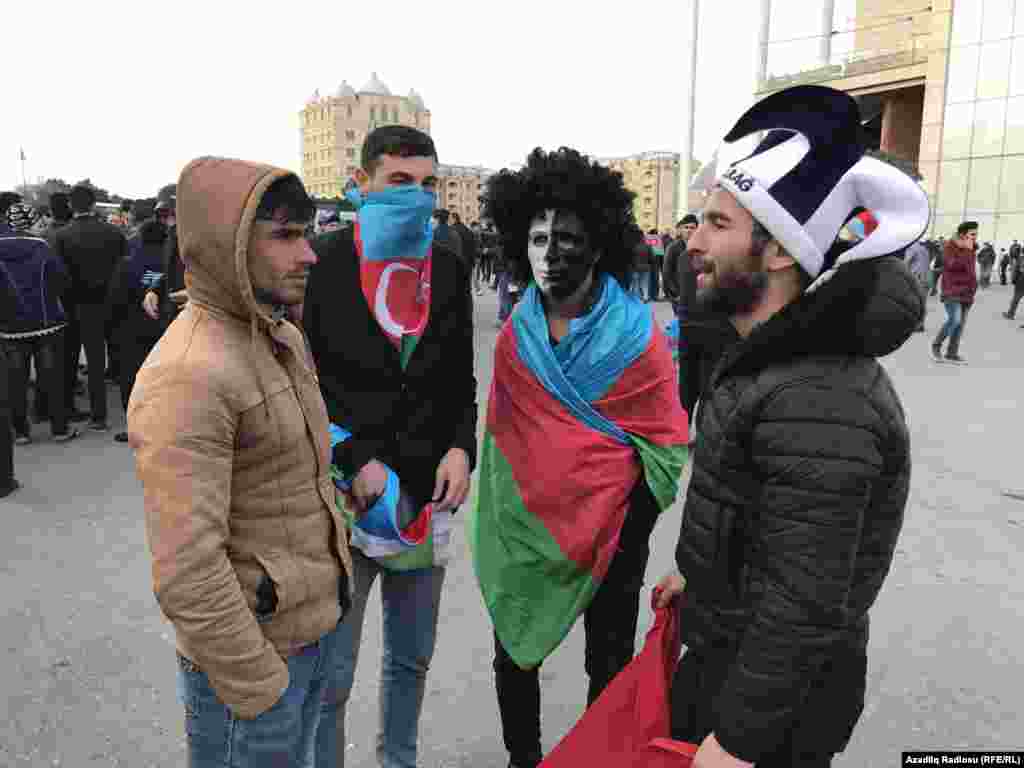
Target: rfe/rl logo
<point x="745" y="183"/>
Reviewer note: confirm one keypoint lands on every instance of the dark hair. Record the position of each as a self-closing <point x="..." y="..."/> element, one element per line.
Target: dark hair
<point x="61" y="206"/>
<point x="564" y="180"/>
<point x="82" y="198"/>
<point x="652" y="231"/>
<point x="966" y="227"/>
<point x="287" y="194"/>
<point x="442" y="215"/>
<point x="399" y="140"/>
<point x="7" y="199"/>
<point x="687" y="219"/>
<point x="457" y="217"/>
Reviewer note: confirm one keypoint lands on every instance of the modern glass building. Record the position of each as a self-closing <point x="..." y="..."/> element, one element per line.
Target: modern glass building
<point x="943" y="84"/>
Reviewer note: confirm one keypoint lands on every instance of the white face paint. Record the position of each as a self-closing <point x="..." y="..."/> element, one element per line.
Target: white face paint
<point x="537" y="249"/>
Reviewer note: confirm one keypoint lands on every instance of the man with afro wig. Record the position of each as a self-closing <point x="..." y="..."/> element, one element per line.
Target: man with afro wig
<point x="585" y="438"/>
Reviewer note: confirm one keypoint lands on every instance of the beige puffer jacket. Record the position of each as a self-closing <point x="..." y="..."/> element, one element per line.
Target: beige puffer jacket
<point x="231" y="441"/>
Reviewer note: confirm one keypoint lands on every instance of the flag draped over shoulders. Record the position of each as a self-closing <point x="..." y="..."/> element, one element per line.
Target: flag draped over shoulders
<point x="571" y="428"/>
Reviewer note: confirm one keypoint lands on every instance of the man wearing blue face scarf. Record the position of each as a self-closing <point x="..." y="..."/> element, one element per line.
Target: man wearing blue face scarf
<point x="389" y="319"/>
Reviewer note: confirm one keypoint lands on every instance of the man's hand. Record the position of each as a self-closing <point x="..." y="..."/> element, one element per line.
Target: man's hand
<point x="368" y="485"/>
<point x="452" y="485"/>
<point x="151" y="304"/>
<point x="668" y="588"/>
<point x="711" y="755"/>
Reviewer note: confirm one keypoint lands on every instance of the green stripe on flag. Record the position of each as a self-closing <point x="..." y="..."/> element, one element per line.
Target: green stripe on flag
<point x="663" y="464"/>
<point x="532" y="591"/>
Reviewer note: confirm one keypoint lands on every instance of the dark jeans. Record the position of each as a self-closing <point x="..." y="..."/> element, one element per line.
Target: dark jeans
<point x="93" y="328"/>
<point x="132" y="353"/>
<point x="692" y="716"/>
<point x="1018" y="294"/>
<point x="610" y="626"/>
<point x="6" y="436"/>
<point x="48" y="352"/>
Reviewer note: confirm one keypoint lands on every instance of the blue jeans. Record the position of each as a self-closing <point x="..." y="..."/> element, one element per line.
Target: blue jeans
<point x="284" y="735"/>
<point x="641" y="284"/>
<point x="411" y="600"/>
<point x="953" y="328"/>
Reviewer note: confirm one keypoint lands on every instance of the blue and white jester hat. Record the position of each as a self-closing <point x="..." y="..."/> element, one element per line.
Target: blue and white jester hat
<point x="810" y="174"/>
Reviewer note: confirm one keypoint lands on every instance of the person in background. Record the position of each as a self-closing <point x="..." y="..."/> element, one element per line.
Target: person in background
<point x="7" y="199"/>
<point x="1017" y="278"/>
<point x="470" y="246"/>
<point x="937" y="248"/>
<point x="959" y="286"/>
<point x="91" y="250"/>
<point x="643" y="260"/>
<point x="986" y="261"/>
<point x="918" y="260"/>
<point x="445" y="235"/>
<point x="36" y="278"/>
<point x="135" y="331"/>
<point x="161" y="301"/>
<point x="654" y="240"/>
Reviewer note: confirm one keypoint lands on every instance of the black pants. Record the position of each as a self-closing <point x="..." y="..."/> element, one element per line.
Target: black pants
<point x="1018" y="294"/>
<point x="72" y="354"/>
<point x="692" y="716"/>
<point x="48" y="352"/>
<point x="610" y="625"/>
<point x="6" y="435"/>
<point x="132" y="353"/>
<point x="93" y="328"/>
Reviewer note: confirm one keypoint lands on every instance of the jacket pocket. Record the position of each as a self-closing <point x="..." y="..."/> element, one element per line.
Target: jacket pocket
<point x="280" y="586"/>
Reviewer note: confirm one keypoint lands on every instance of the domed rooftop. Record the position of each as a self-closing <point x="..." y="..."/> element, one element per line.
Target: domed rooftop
<point x="314" y="98"/>
<point x="375" y="86"/>
<point x="417" y="100"/>
<point x="345" y="90"/>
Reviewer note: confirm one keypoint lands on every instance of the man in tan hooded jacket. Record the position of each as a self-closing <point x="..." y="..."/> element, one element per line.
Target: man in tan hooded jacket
<point x="230" y="432"/>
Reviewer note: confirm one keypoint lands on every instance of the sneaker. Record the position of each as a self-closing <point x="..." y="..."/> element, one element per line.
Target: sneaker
<point x="98" y="426"/>
<point x="955" y="360"/>
<point x="11" y="487"/>
<point x="937" y="353"/>
<point x="65" y="437"/>
<point x="22" y="440"/>
<point x="121" y="437"/>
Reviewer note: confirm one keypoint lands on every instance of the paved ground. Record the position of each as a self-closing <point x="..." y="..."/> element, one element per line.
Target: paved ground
<point x="88" y="672"/>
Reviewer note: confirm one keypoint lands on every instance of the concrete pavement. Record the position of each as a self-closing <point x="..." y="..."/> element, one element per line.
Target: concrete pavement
<point x="88" y="677"/>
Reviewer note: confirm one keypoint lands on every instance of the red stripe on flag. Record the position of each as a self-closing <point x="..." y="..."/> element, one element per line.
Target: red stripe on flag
<point x="575" y="480"/>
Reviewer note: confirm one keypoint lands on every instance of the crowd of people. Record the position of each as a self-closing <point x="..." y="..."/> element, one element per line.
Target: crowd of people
<point x="303" y="418"/>
<point x="73" y="283"/>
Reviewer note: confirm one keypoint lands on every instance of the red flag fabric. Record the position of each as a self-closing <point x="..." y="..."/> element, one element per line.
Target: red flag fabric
<point x="630" y="723"/>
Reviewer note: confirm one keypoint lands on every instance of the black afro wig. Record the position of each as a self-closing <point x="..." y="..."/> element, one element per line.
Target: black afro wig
<point x="564" y="180"/>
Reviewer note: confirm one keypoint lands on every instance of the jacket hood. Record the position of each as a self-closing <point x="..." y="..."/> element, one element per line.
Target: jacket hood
<point x="217" y="203"/>
<point x="868" y="308"/>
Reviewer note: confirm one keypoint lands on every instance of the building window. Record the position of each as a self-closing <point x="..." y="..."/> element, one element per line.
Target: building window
<point x="349" y="110"/>
<point x="350" y="152"/>
<point x="350" y="135"/>
<point x="373" y="114"/>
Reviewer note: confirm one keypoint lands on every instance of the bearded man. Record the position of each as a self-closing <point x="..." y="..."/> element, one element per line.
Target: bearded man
<point x="585" y="437"/>
<point x="802" y="472"/>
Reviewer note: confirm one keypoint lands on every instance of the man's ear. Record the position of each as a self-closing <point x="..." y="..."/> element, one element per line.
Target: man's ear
<point x="362" y="179"/>
<point x="776" y="258"/>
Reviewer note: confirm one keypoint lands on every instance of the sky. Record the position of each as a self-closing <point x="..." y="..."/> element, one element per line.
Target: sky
<point x="126" y="96"/>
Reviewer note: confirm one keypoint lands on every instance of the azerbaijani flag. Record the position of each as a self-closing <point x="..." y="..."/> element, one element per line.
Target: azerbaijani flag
<point x="571" y="428"/>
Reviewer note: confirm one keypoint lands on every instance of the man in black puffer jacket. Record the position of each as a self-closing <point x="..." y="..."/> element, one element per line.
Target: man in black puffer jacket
<point x="802" y="472"/>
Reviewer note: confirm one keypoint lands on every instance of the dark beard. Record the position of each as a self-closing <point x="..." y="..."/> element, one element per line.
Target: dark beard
<point x="736" y="293"/>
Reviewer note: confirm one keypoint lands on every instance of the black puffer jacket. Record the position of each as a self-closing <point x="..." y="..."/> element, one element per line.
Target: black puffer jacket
<point x="799" y="484"/>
